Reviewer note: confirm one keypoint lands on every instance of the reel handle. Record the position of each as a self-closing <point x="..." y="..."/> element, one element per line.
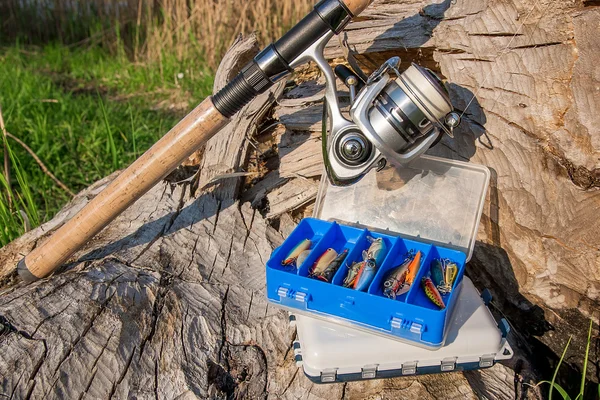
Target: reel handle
<point x="346" y="75"/>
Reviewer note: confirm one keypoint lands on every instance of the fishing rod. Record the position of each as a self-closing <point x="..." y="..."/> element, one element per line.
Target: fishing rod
<point x="393" y="120"/>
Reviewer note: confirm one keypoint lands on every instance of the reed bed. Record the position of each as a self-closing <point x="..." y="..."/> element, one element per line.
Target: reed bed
<point x="145" y="30"/>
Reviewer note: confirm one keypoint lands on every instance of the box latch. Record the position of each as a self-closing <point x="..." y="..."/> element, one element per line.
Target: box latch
<point x="409" y="368"/>
<point x="487" y="360"/>
<point x="448" y="364"/>
<point x="328" y="375"/>
<point x="289" y="296"/>
<point x="405" y="327"/>
<point x="282" y="292"/>
<point x="369" y="371"/>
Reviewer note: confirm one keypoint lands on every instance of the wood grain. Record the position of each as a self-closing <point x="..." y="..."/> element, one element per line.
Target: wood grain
<point x="184" y="275"/>
<point x="162" y="158"/>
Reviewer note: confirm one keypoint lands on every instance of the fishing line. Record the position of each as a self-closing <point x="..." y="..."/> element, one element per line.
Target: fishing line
<point x="498" y="55"/>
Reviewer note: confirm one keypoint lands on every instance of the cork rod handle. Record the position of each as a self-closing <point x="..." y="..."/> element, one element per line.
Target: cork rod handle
<point x="357" y="6"/>
<point x="162" y="158"/>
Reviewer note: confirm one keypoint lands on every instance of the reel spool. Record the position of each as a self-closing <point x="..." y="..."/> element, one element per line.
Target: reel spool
<point x="395" y="120"/>
<point x="404" y="117"/>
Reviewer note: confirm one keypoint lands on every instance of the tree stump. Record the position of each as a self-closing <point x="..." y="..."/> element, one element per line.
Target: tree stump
<point x="169" y="300"/>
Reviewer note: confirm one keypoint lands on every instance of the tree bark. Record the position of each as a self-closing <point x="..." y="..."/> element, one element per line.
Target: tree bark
<point x="169" y="300"/>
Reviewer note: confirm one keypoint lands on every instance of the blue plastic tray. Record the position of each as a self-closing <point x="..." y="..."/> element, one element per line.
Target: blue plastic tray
<point x="410" y="317"/>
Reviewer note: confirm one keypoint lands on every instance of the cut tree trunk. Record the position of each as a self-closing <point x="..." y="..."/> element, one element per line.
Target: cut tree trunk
<point x="169" y="300"/>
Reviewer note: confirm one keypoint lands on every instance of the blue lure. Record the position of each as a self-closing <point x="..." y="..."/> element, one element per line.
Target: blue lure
<point x="365" y="275"/>
<point x="377" y="250"/>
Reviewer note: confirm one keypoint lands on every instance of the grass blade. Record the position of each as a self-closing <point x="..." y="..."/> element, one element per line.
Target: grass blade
<point x="585" y="361"/>
<point x="133" y="133"/>
<point x="558" y="388"/>
<point x="25" y="198"/>
<point x="111" y="140"/>
<point x="552" y="385"/>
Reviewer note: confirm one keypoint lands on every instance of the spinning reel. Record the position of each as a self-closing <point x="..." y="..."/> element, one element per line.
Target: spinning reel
<point x="393" y="120"/>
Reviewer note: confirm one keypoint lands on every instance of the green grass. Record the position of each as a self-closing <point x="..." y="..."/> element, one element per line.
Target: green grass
<point x="555" y="386"/>
<point x="85" y="114"/>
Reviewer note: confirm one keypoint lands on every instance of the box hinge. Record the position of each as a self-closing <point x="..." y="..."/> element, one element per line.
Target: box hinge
<point x="409" y="368"/>
<point x="486" y="296"/>
<point x="401" y="326"/>
<point x="487" y="360"/>
<point x="298" y="359"/>
<point x="369" y="371"/>
<point x="297" y="347"/>
<point x="448" y="364"/>
<point x="504" y="327"/>
<point x="328" y="375"/>
<point x="292" y="320"/>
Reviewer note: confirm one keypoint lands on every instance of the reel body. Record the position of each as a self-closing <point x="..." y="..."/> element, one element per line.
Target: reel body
<point x="393" y="119"/>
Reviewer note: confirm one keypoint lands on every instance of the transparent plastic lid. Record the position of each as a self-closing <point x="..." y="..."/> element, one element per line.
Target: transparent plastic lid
<point x="433" y="199"/>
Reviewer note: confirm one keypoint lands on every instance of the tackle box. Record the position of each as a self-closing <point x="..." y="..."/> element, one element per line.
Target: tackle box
<point x="333" y="353"/>
<point x="433" y="205"/>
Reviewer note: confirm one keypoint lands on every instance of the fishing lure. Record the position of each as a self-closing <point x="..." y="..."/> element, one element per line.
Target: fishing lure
<point x="413" y="268"/>
<point x="300" y="247"/>
<point x="365" y="275"/>
<point x="451" y="270"/>
<point x="437" y="274"/>
<point x="376" y="251"/>
<point x="396" y="279"/>
<point x="302" y="257"/>
<point x="332" y="268"/>
<point x="352" y="274"/>
<point x="443" y="274"/>
<point x="322" y="262"/>
<point x="432" y="293"/>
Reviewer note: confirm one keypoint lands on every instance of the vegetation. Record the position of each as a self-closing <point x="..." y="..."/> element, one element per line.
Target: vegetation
<point x="84" y="114"/>
<point x="149" y="30"/>
<point x="92" y="84"/>
<point x="556" y="387"/>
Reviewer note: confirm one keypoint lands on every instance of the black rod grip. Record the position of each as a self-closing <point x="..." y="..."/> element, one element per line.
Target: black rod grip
<point x="273" y="62"/>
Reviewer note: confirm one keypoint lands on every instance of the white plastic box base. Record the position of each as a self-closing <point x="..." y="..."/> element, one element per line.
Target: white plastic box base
<point x="330" y="352"/>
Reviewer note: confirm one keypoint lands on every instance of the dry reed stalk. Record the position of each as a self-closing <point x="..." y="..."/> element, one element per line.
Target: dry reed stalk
<point x="6" y="159"/>
<point x="45" y="169"/>
<point x="150" y="28"/>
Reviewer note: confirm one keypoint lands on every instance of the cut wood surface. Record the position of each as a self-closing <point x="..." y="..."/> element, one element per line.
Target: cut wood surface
<point x="169" y="300"/>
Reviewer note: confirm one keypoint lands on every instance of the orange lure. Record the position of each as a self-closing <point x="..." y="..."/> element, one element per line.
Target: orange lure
<point x="413" y="268"/>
